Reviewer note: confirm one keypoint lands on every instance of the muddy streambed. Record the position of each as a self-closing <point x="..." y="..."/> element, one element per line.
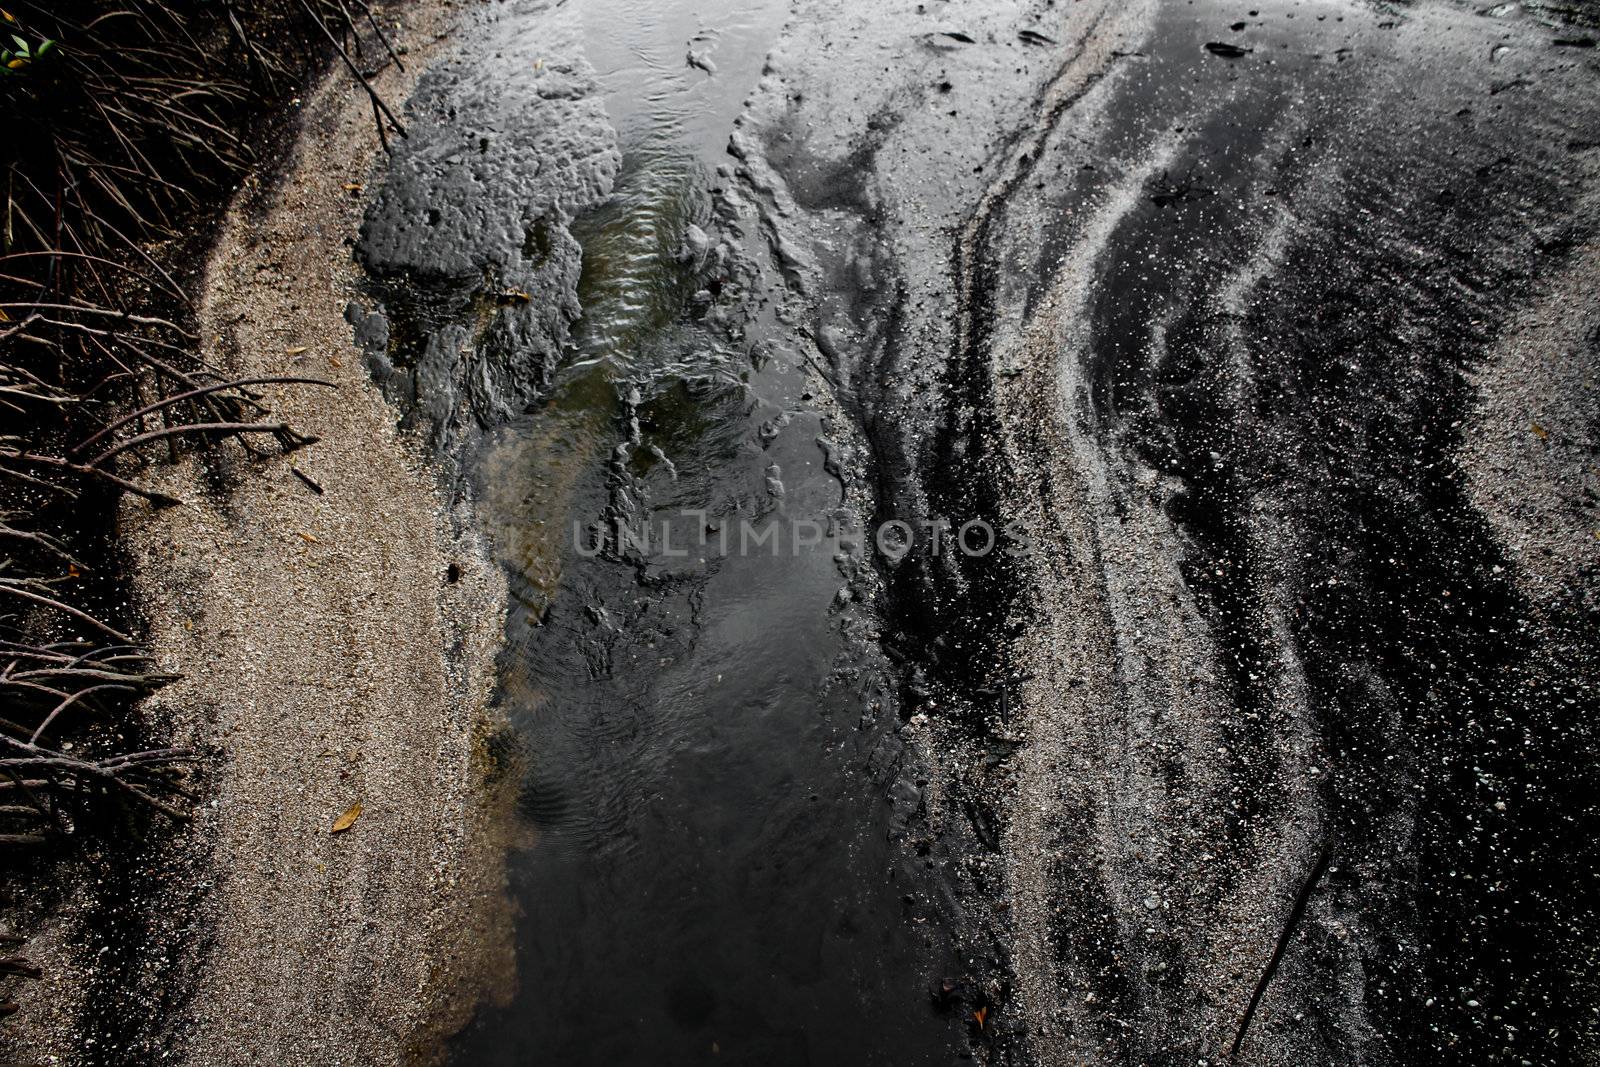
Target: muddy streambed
<point x="704" y="858"/>
<point x="706" y="864"/>
<point x="1218" y="307"/>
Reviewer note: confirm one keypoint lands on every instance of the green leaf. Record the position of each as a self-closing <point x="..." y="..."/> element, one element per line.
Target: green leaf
<point x="20" y="42"/>
<point x="44" y="47"/>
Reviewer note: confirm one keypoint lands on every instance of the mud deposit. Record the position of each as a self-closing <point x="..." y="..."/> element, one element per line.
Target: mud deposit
<point x="1271" y="330"/>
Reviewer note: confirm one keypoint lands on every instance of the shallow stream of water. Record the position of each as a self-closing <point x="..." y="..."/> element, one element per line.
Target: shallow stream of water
<point x="704" y="866"/>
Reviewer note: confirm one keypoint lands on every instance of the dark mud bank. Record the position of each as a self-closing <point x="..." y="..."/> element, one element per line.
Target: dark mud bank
<point x="468" y="241"/>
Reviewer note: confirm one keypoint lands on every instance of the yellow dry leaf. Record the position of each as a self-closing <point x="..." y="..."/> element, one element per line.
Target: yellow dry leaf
<point x="309" y="539"/>
<point x="3" y="316"/>
<point x="335" y="361"/>
<point x="347" y="820"/>
<point x="295" y="351"/>
<point x="1540" y="432"/>
<point x="981" y="1014"/>
<point x="352" y="187"/>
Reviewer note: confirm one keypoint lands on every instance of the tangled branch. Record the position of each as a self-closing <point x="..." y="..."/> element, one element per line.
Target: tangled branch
<point x="47" y="691"/>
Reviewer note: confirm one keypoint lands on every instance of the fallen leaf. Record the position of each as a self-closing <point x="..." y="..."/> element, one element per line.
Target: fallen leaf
<point x="1226" y="50"/>
<point x="307" y="538"/>
<point x="347" y="820"/>
<point x="352" y="187"/>
<point x="295" y="351"/>
<point x="515" y="296"/>
<point x="981" y="1014"/>
<point x="1540" y="432"/>
<point x="335" y="361"/>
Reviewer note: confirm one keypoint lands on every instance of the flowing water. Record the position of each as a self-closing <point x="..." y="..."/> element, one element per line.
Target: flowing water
<point x="704" y="864"/>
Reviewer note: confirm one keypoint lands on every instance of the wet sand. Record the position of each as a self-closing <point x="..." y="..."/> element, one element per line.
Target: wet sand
<point x="328" y="652"/>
